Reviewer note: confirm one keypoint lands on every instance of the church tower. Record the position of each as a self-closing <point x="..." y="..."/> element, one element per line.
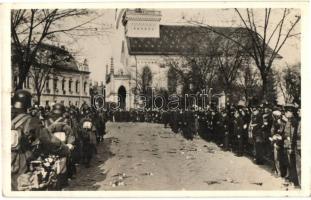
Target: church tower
<point x="142" y="23"/>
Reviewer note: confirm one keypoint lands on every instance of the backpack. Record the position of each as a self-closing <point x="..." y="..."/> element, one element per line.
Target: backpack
<point x="17" y="130"/>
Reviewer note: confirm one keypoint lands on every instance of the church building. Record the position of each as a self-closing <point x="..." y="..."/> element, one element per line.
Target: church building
<point x="147" y="46"/>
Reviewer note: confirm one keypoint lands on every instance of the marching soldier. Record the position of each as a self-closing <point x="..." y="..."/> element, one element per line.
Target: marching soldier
<point x="59" y="126"/>
<point x="29" y="138"/>
<point x="87" y="133"/>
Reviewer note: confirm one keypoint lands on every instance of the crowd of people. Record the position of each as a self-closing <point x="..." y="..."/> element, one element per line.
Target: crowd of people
<point x="48" y="143"/>
<point x="268" y="133"/>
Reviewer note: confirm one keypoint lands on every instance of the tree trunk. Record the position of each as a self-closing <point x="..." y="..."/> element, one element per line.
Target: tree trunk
<point x="39" y="98"/>
<point x="21" y="76"/>
<point x="21" y="80"/>
<point x="263" y="87"/>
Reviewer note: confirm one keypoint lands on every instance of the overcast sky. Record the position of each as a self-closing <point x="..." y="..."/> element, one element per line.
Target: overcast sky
<point x="98" y="49"/>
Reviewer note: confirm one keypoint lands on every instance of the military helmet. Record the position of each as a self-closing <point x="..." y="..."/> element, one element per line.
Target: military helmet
<point x="21" y="99"/>
<point x="58" y="108"/>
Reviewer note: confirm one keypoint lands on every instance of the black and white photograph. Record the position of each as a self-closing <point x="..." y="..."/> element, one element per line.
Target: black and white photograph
<point x="154" y="99"/>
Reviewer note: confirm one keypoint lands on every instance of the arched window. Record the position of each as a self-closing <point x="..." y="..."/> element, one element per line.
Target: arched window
<point x="63" y="84"/>
<point x="77" y="86"/>
<point x="47" y="83"/>
<point x="146" y="79"/>
<point x="70" y="85"/>
<point x="171" y="80"/>
<point x="84" y="86"/>
<point x="55" y="81"/>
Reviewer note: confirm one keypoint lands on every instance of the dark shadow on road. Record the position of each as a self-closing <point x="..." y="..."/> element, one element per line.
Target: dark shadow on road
<point x="88" y="178"/>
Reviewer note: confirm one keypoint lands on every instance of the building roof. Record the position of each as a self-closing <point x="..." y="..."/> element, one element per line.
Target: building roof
<point x="63" y="60"/>
<point x="185" y="39"/>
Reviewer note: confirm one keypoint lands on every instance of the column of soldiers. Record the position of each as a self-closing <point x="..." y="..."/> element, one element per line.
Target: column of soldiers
<point x="268" y="133"/>
<point x="48" y="143"/>
<point x="265" y="132"/>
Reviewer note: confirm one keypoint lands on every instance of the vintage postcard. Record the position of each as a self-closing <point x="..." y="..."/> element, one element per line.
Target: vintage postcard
<point x="155" y="100"/>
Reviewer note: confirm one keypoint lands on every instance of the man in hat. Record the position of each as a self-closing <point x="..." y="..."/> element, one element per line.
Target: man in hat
<point x="238" y="132"/>
<point x="225" y="123"/>
<point x="290" y="137"/>
<point x="266" y="129"/>
<point x="277" y="135"/>
<point x="256" y="126"/>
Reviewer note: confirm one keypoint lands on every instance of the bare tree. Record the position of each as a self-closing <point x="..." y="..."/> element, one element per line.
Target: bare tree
<point x="229" y="61"/>
<point x="289" y="82"/>
<point x="46" y="62"/>
<point x="249" y="82"/>
<point x="31" y="27"/>
<point x="265" y="39"/>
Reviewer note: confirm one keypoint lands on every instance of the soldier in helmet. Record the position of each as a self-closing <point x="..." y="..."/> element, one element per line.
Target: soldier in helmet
<point x="87" y="132"/>
<point x="59" y="126"/>
<point x="29" y="139"/>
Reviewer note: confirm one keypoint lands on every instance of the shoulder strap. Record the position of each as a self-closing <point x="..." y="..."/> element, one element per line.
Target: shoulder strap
<point x="54" y="122"/>
<point x="27" y="125"/>
<point x="19" y="120"/>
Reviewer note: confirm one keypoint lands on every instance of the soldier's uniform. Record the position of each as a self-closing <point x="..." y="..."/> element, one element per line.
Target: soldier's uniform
<point x="87" y="133"/>
<point x="59" y="127"/>
<point x="29" y="139"/>
<point x="256" y="125"/>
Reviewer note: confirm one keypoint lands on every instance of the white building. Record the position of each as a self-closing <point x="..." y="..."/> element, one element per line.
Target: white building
<point x="67" y="81"/>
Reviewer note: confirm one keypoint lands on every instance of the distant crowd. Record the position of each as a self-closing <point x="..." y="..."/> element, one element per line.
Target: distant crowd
<point x="47" y="143"/>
